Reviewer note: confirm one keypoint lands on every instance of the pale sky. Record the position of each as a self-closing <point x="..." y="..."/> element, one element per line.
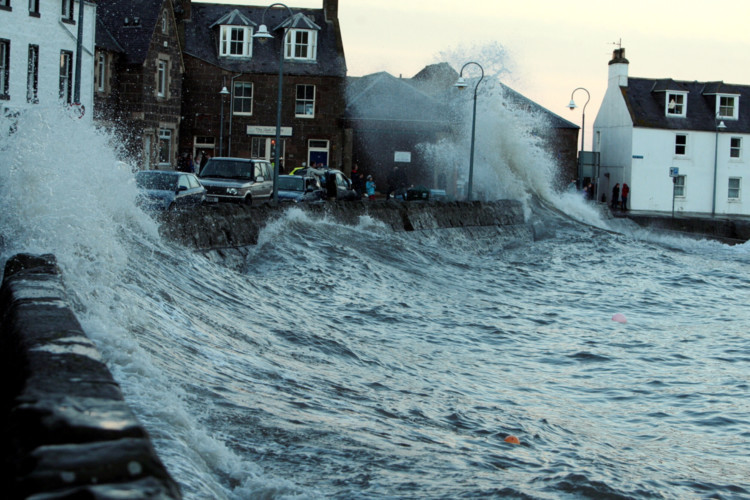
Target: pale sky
<point x="552" y="47"/>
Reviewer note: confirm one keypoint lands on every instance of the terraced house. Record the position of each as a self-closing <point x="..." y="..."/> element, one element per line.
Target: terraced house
<point x="231" y="83"/>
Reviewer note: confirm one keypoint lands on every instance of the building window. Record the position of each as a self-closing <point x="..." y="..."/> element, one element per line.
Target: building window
<point x="164" y="24"/>
<point x="727" y="107"/>
<point x="203" y="145"/>
<point x="258" y="148"/>
<point x="679" y="186"/>
<point x="676" y="104"/>
<point x="5" y="4"/>
<point x="302" y="44"/>
<point x="243" y="98"/>
<point x="735" y="147"/>
<point x="100" y="73"/>
<point x="680" y="145"/>
<point x="32" y="75"/>
<point x="165" y="146"/>
<point x="161" y="78"/>
<point x="66" y="76"/>
<point x="4" y="69"/>
<point x="734" y="188"/>
<point x="305" y="103"/>
<point x="236" y="41"/>
<point x="34" y="7"/>
<point x="67" y="9"/>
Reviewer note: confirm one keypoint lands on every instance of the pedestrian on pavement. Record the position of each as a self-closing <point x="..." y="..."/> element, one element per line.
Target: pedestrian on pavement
<point x="625" y="194"/>
<point x="616" y="195"/>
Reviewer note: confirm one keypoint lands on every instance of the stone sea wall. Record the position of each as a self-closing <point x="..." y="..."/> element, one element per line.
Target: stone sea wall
<point x="66" y="429"/>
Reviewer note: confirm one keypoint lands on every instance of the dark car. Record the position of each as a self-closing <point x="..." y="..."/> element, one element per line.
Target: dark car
<point x="238" y="180"/>
<point x="168" y="189"/>
<point x="334" y="183"/>
<point x="297" y="188"/>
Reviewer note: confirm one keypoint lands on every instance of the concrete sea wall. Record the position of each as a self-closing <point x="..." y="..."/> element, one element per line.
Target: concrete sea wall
<point x="66" y="429"/>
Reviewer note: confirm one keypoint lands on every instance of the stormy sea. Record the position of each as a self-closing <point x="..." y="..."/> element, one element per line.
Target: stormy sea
<point x="350" y="361"/>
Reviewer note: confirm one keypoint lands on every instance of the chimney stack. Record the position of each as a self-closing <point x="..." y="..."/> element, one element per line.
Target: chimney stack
<point x="331" y="9"/>
<point x="618" y="68"/>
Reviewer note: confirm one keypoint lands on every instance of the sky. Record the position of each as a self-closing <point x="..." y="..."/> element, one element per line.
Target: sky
<point x="549" y="48"/>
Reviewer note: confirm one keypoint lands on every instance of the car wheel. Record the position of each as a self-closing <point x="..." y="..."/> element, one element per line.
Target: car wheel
<point x="248" y="200"/>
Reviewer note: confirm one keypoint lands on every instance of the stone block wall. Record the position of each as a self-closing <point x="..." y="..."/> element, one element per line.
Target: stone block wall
<point x="66" y="429"/>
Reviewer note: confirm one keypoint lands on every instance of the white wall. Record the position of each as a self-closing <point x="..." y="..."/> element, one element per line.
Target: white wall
<point x="51" y="35"/>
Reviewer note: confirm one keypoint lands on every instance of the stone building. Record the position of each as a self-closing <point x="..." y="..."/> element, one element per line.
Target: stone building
<point x="138" y="78"/>
<point x="221" y="53"/>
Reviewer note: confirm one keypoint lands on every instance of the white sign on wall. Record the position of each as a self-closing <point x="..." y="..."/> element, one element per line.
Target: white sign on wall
<point x="402" y="156"/>
<point x="268" y="130"/>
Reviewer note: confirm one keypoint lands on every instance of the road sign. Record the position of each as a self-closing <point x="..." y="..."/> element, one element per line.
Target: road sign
<point x="674" y="171"/>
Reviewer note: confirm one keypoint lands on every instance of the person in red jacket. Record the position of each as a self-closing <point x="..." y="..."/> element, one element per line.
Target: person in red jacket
<point x="624" y="196"/>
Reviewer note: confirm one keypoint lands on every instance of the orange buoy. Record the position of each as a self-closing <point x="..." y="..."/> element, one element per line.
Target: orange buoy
<point x="512" y="440"/>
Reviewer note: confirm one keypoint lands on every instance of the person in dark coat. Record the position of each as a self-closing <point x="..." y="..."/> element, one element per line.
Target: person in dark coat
<point x="625" y="194"/>
<point x="616" y="195"/>
<point x="358" y="181"/>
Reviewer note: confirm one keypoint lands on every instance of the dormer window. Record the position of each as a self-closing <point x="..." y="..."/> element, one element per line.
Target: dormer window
<point x="236" y="41"/>
<point x="302" y="45"/>
<point x="676" y="104"/>
<point x="727" y="106"/>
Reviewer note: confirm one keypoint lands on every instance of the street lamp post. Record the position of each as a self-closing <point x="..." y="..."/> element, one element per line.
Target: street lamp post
<point x="224" y="92"/>
<point x="572" y="106"/>
<point x="461" y="84"/>
<point x="262" y="35"/>
<point x="719" y="126"/>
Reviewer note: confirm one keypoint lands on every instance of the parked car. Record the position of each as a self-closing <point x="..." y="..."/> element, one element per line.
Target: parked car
<point x="297" y="188"/>
<point x="168" y="189"/>
<point x="334" y="183"/>
<point x="238" y="180"/>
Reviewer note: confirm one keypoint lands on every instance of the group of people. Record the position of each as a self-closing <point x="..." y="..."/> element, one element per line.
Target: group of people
<point x="620" y="196"/>
<point x="186" y="163"/>
<point x="396" y="183"/>
<point x="364" y="186"/>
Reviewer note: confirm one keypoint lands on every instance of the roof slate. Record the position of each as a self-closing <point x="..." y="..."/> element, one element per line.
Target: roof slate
<point x="133" y="39"/>
<point x="202" y="42"/>
<point x="646" y="101"/>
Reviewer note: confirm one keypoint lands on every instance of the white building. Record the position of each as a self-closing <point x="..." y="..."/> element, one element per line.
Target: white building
<point x="674" y="142"/>
<point x="38" y="46"/>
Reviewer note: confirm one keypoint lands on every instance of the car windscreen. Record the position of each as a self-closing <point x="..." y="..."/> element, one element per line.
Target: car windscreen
<point x="156" y="180"/>
<point x="228" y="169"/>
<point x="292" y="183"/>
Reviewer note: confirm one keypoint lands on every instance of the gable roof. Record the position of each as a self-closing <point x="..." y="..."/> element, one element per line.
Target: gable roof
<point x="383" y="97"/>
<point x="234" y="18"/>
<point x="202" y="32"/>
<point x="130" y="24"/>
<point x="645" y="99"/>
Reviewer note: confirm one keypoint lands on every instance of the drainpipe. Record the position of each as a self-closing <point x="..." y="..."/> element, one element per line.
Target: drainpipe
<point x="231" y="112"/>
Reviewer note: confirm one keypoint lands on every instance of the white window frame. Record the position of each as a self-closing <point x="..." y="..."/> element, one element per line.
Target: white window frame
<point x="203" y="143"/>
<point x="32" y="75"/>
<point x="162" y="80"/>
<point x="67" y="9"/>
<point x="680" y="185"/>
<point x="227" y="44"/>
<point x="239" y="95"/>
<point x="299" y="49"/>
<point x="4" y="68"/>
<point x="164" y="23"/>
<point x="725" y="110"/>
<point x="676" y="105"/>
<point x="66" y="76"/>
<point x="737" y="188"/>
<point x="677" y="145"/>
<point x="307" y="104"/>
<point x="735" y="148"/>
<point x="101" y="71"/>
<point x="165" y="137"/>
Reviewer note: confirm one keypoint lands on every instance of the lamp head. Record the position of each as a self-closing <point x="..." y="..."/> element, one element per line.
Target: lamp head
<point x="461" y="83"/>
<point x="263" y="34"/>
<point x="572" y="105"/>
<point x="721" y="125"/>
<point x="224" y="91"/>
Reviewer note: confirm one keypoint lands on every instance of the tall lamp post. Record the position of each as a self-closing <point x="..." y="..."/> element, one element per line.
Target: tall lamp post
<point x="460" y="85"/>
<point x="572" y="106"/>
<point x="262" y="35"/>
<point x="719" y="126"/>
<point x="224" y="92"/>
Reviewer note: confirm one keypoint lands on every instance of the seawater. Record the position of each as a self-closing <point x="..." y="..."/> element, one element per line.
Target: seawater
<point x="349" y="361"/>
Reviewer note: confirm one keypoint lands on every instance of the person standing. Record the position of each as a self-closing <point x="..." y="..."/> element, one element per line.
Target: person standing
<point x="616" y="195"/>
<point x="358" y="181"/>
<point x="370" y="188"/>
<point x="625" y="194"/>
